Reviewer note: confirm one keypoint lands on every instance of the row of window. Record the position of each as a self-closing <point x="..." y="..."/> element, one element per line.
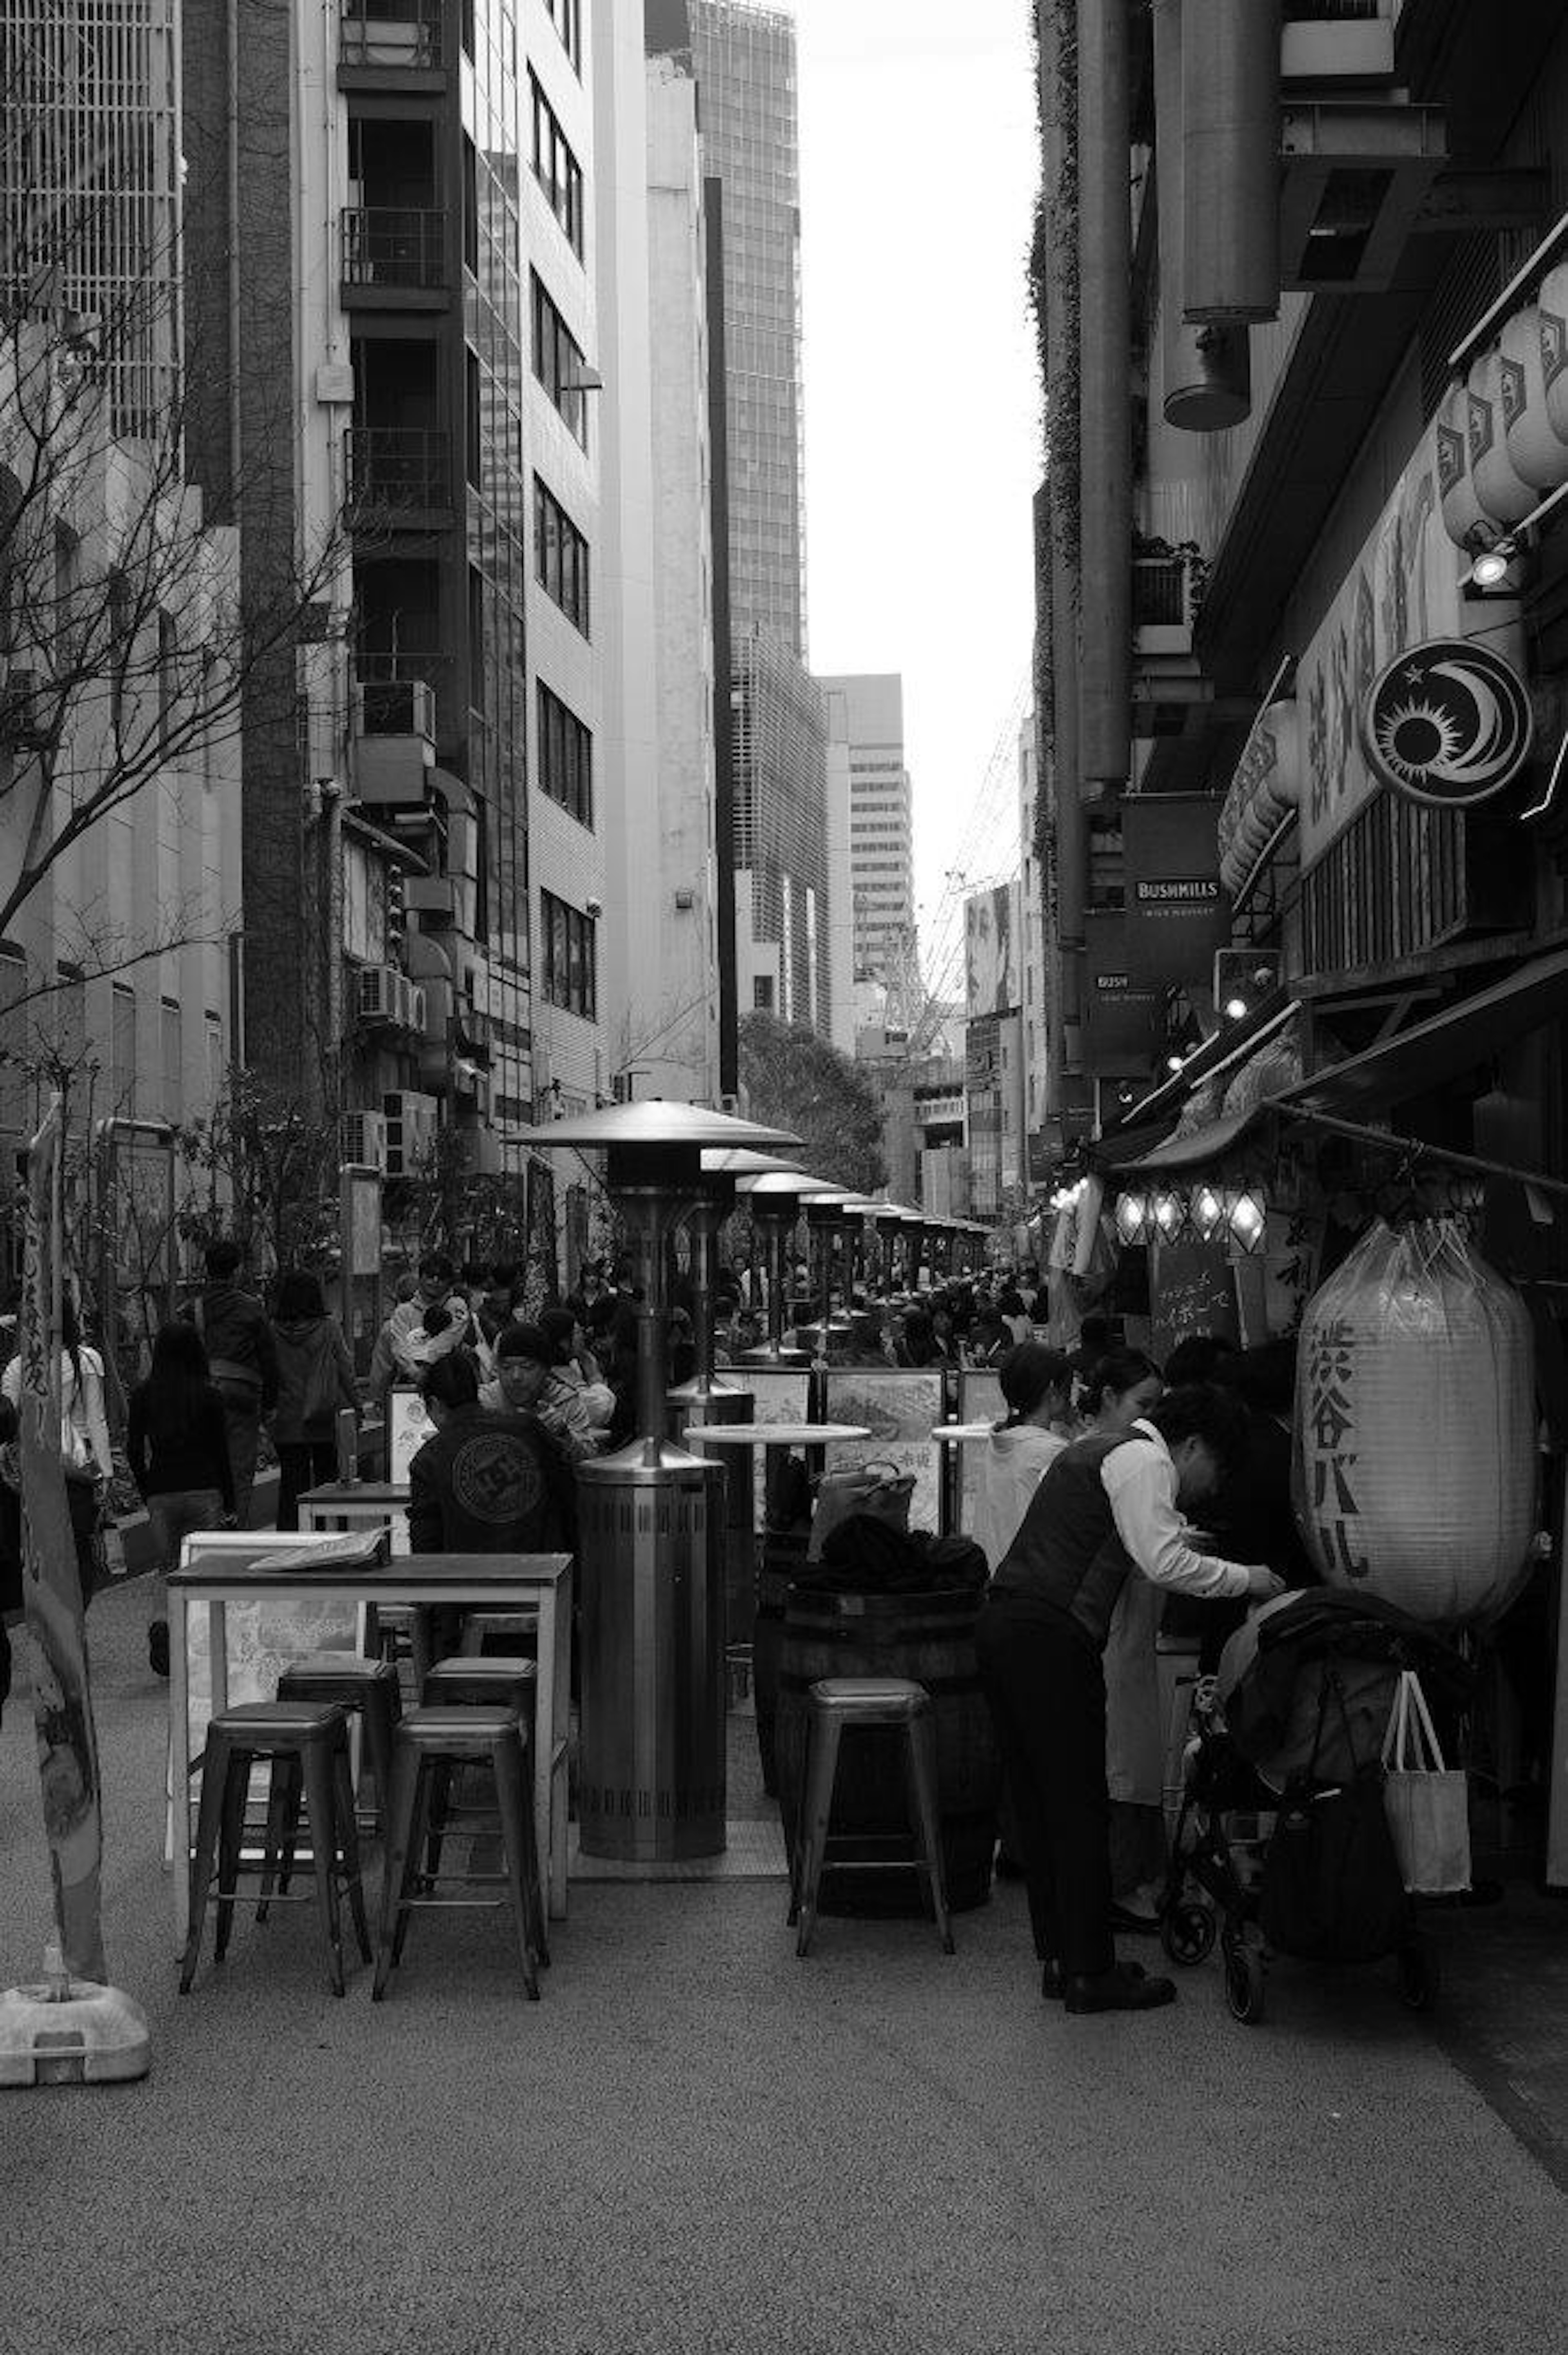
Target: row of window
<point x="560" y="556"/>
<point x="569" y="977"/>
<point x="564" y="756"/>
<point x="556" y="169"/>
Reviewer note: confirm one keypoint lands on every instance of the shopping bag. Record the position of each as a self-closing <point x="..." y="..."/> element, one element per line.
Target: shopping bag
<point x="1427" y="1802"/>
<point x="1330" y="1887"/>
<point x="884" y="1490"/>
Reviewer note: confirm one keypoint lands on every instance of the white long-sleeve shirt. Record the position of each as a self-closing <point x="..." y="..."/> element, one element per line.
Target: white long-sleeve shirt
<point x="1141" y="1481"/>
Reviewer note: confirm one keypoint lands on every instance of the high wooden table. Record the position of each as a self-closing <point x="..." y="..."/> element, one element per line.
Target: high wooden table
<point x="499" y="1581"/>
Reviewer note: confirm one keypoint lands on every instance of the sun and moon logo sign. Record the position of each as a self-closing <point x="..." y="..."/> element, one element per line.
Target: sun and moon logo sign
<point x="1447" y="723"/>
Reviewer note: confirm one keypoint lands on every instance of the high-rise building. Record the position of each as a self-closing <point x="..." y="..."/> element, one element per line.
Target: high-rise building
<point x="393" y="298"/>
<point x="882" y="836"/>
<point x="745" y="62"/>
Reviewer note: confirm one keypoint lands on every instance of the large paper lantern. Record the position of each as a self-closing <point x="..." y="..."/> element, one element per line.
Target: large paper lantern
<point x="1500" y="488"/>
<point x="1553" y="312"/>
<point x="1416" y="1426"/>
<point x="1538" y="453"/>
<point x="1465" y="521"/>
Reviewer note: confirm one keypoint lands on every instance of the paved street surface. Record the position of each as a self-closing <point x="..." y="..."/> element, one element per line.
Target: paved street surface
<point x="695" y="2142"/>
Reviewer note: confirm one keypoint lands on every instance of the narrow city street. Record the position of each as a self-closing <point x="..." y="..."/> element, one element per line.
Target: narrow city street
<point x="696" y="2142"/>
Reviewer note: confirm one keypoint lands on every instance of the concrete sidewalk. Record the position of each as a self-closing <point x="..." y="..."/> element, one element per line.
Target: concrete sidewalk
<point x="696" y="2142"/>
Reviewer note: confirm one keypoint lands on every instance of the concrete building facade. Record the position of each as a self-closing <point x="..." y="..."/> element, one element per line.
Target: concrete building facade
<point x="881" y="821"/>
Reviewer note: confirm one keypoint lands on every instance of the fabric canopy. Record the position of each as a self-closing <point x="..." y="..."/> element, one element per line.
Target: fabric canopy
<point x="1195" y="1148"/>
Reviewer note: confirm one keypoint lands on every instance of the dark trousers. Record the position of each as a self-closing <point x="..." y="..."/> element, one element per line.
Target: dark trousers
<point x="1047" y="1693"/>
<point x="302" y="1464"/>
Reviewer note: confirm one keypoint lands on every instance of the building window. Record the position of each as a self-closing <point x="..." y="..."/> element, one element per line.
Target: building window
<point x="556" y="169"/>
<point x="560" y="556"/>
<point x="571" y="977"/>
<point x="558" y="363"/>
<point x="123" y="1051"/>
<point x="564" y="756"/>
<point x="762" y="992"/>
<point x="566" y="16"/>
<point x="172" y="1048"/>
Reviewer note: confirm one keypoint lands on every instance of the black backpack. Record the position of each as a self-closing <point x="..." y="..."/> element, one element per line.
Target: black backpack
<point x="1333" y="1890"/>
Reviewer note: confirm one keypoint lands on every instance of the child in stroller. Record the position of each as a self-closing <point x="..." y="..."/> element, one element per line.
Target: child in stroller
<point x="1280" y="1844"/>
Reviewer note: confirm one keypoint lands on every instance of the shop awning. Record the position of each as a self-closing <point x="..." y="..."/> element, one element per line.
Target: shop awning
<point x="1197" y="1149"/>
<point x="1445" y="1044"/>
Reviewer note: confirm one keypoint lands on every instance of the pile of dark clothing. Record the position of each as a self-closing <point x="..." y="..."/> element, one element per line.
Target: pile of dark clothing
<point x="865" y="1555"/>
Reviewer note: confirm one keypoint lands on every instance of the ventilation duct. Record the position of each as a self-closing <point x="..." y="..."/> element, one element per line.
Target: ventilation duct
<point x="1230" y="137"/>
<point x="1206" y="372"/>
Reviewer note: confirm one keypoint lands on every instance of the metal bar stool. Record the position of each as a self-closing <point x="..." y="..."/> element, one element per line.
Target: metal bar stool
<point x="307" y="1744"/>
<point x="441" y="1737"/>
<point x="491" y="1680"/>
<point x="367" y="1688"/>
<point x="905" y="1709"/>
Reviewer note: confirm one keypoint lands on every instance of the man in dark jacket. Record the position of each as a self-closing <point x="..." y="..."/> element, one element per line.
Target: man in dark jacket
<point x="241" y="1360"/>
<point x="488" y="1482"/>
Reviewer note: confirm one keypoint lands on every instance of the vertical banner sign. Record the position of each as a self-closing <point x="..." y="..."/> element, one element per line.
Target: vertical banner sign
<point x="62" y="1699"/>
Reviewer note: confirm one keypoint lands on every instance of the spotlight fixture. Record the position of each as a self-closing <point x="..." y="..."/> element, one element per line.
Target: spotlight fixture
<point x="1490" y="569"/>
<point x="1174" y="1063"/>
<point x="1235" y="1008"/>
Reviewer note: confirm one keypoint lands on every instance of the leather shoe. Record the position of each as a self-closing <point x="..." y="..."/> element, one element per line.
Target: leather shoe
<point x="1122" y="1917"/>
<point x="1119" y="1990"/>
<point x="1054" y="1978"/>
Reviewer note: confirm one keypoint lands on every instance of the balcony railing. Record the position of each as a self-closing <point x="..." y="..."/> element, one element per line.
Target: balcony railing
<point x="393" y="245"/>
<point x="1160" y="596"/>
<point x="397" y="466"/>
<point x="391" y="33"/>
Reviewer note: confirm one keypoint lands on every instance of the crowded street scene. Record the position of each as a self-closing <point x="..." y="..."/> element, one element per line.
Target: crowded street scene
<point x="784" y="1419"/>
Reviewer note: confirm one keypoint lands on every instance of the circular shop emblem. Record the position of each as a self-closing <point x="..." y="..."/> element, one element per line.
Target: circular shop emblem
<point x="1449" y="722"/>
<point x="495" y="1478"/>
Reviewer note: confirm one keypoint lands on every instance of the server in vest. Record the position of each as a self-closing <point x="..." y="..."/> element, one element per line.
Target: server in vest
<point x="242" y="1359"/>
<point x="1107" y="1509"/>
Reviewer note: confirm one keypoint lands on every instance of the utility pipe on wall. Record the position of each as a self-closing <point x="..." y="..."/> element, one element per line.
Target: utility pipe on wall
<point x="1055" y="91"/>
<point x="1230" y="104"/>
<point x="1105" y="289"/>
<point x="1205" y="372"/>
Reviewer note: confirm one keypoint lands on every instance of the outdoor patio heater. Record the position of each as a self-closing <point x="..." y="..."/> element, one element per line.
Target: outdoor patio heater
<point x="832" y="1220"/>
<point x="650" y="1536"/>
<point x="773" y="1200"/>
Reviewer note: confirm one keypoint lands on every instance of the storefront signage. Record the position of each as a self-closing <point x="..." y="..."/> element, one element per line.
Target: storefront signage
<point x="1113" y="985"/>
<point x="1160" y="895"/>
<point x="1448" y="723"/>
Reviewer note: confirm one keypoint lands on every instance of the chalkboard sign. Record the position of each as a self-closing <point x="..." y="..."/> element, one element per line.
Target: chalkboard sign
<point x="1192" y="1289"/>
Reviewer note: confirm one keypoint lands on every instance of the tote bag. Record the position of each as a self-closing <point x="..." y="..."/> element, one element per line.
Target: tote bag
<point x="1428" y="1809"/>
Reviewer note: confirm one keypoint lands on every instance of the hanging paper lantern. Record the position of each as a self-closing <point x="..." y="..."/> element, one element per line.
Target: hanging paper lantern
<point x="1207" y="1213"/>
<point x="1553" y="315"/>
<point x="1168" y="1213"/>
<point x="1416" y="1426"/>
<point x="1536" y="453"/>
<point x="1132" y="1219"/>
<point x="1248" y="1214"/>
<point x="1464" y="520"/>
<point x="1500" y="488"/>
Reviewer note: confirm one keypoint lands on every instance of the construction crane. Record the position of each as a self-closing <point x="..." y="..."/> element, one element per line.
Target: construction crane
<point x="987" y="855"/>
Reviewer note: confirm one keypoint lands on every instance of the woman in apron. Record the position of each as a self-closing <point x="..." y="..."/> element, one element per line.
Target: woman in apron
<point x="1122" y="1387"/>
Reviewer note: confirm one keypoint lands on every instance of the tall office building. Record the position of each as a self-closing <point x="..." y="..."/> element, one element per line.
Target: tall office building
<point x="745" y="62"/>
<point x="882" y="824"/>
<point x="396" y="223"/>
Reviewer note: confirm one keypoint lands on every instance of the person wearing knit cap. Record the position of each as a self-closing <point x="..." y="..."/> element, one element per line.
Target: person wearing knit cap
<point x="527" y="1382"/>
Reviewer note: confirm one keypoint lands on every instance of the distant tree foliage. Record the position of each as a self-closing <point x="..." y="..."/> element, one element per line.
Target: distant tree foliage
<point x="794" y="1077"/>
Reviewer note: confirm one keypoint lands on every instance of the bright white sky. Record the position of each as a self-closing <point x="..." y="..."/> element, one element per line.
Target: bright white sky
<point x="918" y="166"/>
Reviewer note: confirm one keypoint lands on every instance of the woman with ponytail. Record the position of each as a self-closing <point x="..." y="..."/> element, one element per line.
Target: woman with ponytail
<point x="1036" y="1384"/>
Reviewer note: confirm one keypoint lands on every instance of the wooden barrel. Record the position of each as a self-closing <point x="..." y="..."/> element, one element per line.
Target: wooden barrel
<point x="929" y="1638"/>
<point x="783" y="1552"/>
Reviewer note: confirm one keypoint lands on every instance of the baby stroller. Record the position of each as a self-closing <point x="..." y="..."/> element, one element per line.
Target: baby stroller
<point x="1280" y="1844"/>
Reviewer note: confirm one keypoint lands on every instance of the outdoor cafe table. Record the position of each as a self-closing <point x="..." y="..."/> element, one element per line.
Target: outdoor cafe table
<point x="541" y="1581"/>
<point x="358" y="1505"/>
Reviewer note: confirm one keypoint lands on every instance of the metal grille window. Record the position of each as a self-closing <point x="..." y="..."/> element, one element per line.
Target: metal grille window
<point x="560" y="556"/>
<point x="571" y="960"/>
<point x="556" y="169"/>
<point x="558" y="363"/>
<point x="564" y="756"/>
<point x="172" y="1049"/>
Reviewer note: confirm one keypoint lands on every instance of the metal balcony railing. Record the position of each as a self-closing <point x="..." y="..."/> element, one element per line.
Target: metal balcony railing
<point x="1310" y="11"/>
<point x="396" y="466"/>
<point x="405" y="33"/>
<point x="393" y="245"/>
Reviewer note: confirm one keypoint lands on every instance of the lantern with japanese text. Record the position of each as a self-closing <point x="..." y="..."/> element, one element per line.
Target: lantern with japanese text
<point x="1416" y="1426"/>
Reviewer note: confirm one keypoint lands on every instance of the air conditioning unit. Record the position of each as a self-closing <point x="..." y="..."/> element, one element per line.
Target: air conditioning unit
<point x="410" y="1130"/>
<point x="362" y="1139"/>
<point x="381" y="990"/>
<point x="1243" y="978"/>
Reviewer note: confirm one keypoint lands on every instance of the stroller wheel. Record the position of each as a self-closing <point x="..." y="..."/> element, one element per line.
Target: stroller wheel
<point x="1244" y="1983"/>
<point x="1418" y="1978"/>
<point x="1187" y="1932"/>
